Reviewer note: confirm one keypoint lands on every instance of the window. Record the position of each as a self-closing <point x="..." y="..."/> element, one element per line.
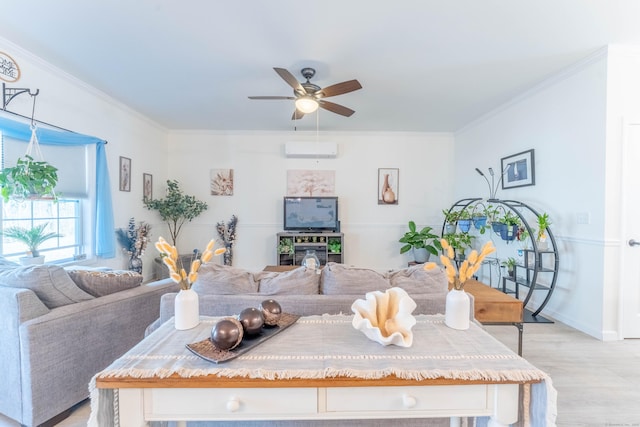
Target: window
<point x="63" y="217"/>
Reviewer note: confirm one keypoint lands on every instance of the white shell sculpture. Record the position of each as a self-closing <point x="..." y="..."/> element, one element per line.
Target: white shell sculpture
<point x="385" y="317"/>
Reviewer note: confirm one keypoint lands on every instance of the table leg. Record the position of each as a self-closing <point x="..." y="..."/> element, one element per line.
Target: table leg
<point x="505" y="405"/>
<point x="520" y="327"/>
<point x="131" y="407"/>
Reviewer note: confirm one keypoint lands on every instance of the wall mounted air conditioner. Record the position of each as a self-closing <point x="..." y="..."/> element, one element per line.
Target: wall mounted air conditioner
<point x="298" y="149"/>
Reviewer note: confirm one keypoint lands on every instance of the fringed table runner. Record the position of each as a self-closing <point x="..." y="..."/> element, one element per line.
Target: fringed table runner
<point x="328" y="346"/>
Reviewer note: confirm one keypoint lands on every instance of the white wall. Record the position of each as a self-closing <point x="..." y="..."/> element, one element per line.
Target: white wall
<point x="67" y="102"/>
<point x="260" y="170"/>
<point x="564" y="120"/>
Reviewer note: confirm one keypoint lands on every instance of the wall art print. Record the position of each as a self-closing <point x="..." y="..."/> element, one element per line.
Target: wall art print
<point x="125" y="174"/>
<point x="310" y="183"/>
<point x="221" y="182"/>
<point x="518" y="170"/>
<point x="388" y="186"/>
<point x="147" y="187"/>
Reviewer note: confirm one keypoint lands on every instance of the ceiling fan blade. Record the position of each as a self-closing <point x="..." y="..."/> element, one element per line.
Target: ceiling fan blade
<point x="297" y="115"/>
<point x="340" y="88"/>
<point x="336" y="108"/>
<point x="271" y="97"/>
<point x="290" y="79"/>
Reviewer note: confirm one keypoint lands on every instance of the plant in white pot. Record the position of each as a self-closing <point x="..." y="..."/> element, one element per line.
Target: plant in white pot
<point x="423" y="243"/>
<point x="32" y="238"/>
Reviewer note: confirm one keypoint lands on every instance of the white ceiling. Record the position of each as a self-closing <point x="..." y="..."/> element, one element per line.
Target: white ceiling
<point x="425" y="65"/>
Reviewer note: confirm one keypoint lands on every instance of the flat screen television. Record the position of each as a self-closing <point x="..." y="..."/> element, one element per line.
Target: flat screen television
<point x="311" y="214"/>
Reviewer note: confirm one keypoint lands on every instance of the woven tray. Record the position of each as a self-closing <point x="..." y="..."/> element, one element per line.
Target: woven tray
<point x="208" y="351"/>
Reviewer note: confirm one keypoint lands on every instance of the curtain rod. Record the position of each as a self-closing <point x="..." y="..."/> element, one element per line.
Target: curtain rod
<point x="41" y="122"/>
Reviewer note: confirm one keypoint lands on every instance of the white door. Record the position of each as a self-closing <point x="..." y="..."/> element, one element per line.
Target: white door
<point x="630" y="260"/>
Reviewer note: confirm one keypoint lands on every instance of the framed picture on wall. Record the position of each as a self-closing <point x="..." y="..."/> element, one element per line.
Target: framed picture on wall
<point x="125" y="174"/>
<point x="147" y="187"/>
<point x="518" y="170"/>
<point x="388" y="186"/>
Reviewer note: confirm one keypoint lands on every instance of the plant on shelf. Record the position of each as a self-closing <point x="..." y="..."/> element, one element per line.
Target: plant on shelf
<point x="423" y="242"/>
<point x="460" y="242"/>
<point x="285" y="247"/>
<point x="31" y="237"/>
<point x="451" y="220"/>
<point x="509" y="264"/>
<point x="543" y="223"/>
<point x="334" y="246"/>
<point x="27" y="179"/>
<point x="176" y="209"/>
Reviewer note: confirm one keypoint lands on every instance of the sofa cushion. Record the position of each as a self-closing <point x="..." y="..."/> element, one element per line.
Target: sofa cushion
<point x="215" y="279"/>
<point x="299" y="281"/>
<point x="416" y="280"/>
<point x="50" y="283"/>
<point x="100" y="282"/>
<point x="338" y="279"/>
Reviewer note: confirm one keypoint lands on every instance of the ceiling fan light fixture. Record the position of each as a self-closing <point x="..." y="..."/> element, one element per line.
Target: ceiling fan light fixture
<point x="306" y="104"/>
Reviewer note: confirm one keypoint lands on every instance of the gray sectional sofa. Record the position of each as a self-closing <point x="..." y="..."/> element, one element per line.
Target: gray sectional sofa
<point x="60" y="327"/>
<point x="225" y="291"/>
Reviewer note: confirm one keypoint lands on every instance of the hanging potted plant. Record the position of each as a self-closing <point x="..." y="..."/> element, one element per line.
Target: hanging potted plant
<point x="451" y="219"/>
<point x="464" y="220"/>
<point x="511" y="223"/>
<point x="32" y="239"/>
<point x="479" y="217"/>
<point x="28" y="179"/>
<point x="423" y="243"/>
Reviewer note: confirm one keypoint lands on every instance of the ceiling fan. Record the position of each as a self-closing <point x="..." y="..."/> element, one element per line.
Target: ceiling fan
<point x="308" y="96"/>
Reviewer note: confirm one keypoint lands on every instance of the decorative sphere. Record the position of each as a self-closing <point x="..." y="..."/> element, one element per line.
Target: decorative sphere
<point x="252" y="320"/>
<point x="227" y="333"/>
<point x="271" y="311"/>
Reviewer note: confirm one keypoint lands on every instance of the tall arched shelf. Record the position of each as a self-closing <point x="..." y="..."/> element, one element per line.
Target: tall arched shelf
<point x="537" y="262"/>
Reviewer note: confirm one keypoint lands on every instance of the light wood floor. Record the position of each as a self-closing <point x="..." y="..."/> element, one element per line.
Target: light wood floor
<point x="598" y="383"/>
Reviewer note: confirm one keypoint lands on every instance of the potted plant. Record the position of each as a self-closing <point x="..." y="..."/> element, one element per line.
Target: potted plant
<point x="460" y="242"/>
<point x="334" y="245"/>
<point x="176" y="209"/>
<point x="451" y="219"/>
<point x="32" y="239"/>
<point x="464" y="220"/>
<point x="423" y="243"/>
<point x="510" y="264"/>
<point x="543" y="223"/>
<point x="285" y="247"/>
<point x="28" y="178"/>
<point x="511" y="223"/>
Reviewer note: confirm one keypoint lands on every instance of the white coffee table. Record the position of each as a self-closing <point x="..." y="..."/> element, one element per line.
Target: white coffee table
<point x="319" y="369"/>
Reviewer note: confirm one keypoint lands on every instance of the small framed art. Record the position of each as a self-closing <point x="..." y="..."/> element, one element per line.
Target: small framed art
<point x="125" y="174"/>
<point x="147" y="187"/>
<point x="388" y="186"/>
<point x="518" y="170"/>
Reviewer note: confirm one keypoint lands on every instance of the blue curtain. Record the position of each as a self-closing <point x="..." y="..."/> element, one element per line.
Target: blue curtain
<point x="105" y="245"/>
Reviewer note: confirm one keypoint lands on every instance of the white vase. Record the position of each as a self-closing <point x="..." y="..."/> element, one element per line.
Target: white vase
<point x="457" y="310"/>
<point x="187" y="311"/>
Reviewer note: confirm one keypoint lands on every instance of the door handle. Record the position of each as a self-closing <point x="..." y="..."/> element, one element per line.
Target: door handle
<point x="633" y="242"/>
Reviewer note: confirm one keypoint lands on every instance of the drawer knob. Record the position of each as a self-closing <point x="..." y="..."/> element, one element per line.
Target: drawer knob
<point x="233" y="404"/>
<point x="408" y="401"/>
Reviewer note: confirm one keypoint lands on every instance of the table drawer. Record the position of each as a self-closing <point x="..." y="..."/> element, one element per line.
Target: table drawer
<point x="228" y="403"/>
<point x="383" y="399"/>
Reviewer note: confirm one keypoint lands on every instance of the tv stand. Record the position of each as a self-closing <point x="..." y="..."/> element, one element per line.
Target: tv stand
<point x="292" y="247"/>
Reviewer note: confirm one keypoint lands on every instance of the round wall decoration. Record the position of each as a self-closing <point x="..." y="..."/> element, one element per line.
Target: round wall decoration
<point x="9" y="69"/>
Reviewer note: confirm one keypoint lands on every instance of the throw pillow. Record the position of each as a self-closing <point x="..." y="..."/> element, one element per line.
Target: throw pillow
<point x="338" y="279"/>
<point x="98" y="282"/>
<point x="416" y="280"/>
<point x="215" y="279"/>
<point x="299" y="281"/>
<point x="50" y="283"/>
